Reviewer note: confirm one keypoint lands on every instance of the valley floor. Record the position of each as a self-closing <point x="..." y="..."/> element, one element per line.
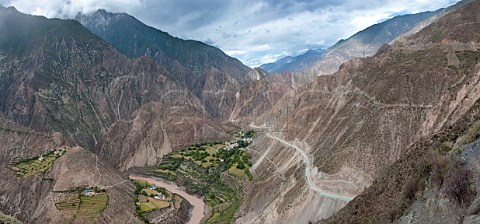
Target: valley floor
<point x="198" y="204"/>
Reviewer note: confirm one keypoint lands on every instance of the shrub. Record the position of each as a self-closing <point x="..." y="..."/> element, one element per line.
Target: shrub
<point x="457" y="186"/>
<point x="241" y="166"/>
<point x="411" y="188"/>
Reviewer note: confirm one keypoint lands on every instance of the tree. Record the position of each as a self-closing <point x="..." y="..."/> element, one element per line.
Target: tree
<point x="241" y="166"/>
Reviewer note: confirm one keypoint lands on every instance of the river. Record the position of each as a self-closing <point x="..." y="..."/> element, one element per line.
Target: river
<point x="197" y="203"/>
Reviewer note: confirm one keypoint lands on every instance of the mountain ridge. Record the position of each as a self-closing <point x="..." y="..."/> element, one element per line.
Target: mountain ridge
<point x="359" y="133"/>
<point x="203" y="69"/>
<point x="369" y="40"/>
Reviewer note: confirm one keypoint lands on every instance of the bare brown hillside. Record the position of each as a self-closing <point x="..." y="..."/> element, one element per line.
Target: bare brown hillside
<point x="359" y="121"/>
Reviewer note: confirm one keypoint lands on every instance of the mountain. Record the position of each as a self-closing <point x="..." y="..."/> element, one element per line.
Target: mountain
<point x="77" y="84"/>
<point x="323" y="144"/>
<point x="258" y="96"/>
<point x="362" y="44"/>
<point x="204" y="69"/>
<point x="435" y="179"/>
<point x="64" y="88"/>
<point x="391" y="138"/>
<point x="136" y="39"/>
<point x="31" y="198"/>
<point x="295" y="64"/>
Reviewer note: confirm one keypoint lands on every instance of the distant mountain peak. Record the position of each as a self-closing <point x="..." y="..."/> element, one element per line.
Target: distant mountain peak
<point x="364" y="43"/>
<point x="295" y="64"/>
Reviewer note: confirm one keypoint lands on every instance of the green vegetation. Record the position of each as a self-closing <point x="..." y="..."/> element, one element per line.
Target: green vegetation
<point x="69" y="205"/>
<point x="77" y="205"/>
<point x="8" y="219"/>
<point x="149" y="204"/>
<point x="145" y="201"/>
<point x="139" y="186"/>
<point x="91" y="206"/>
<point x="37" y="164"/>
<point x="224" y="201"/>
<point x="202" y="168"/>
<point x="211" y="156"/>
<point x="249" y="134"/>
<point x="471" y="135"/>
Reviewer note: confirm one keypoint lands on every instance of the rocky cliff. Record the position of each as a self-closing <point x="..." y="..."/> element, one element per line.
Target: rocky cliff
<point x="326" y="142"/>
<point x="437" y="178"/>
<point x="75" y="83"/>
<point x="208" y="72"/>
<point x="353" y="140"/>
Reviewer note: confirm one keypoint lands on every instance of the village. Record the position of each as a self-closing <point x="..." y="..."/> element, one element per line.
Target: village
<point x="200" y="167"/>
<point x="149" y="198"/>
<point x="33" y="165"/>
<point x="240" y="142"/>
<point x="231" y="156"/>
<point x="83" y="203"/>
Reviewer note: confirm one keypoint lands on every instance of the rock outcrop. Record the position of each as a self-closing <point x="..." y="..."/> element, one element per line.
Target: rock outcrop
<point x="205" y="70"/>
<point x="340" y="131"/>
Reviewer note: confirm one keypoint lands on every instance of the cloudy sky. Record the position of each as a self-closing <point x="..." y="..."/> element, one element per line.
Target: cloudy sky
<point x="254" y="31"/>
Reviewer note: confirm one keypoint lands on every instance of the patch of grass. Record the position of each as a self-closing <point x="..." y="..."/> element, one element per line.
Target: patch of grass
<point x="150" y="191"/>
<point x="34" y="165"/>
<point x="214" y="217"/>
<point x="8" y="219"/>
<point x="177" y="201"/>
<point x="69" y="205"/>
<point x="149" y="204"/>
<point x="91" y="206"/>
<point x="212" y="150"/>
<point x="237" y="172"/>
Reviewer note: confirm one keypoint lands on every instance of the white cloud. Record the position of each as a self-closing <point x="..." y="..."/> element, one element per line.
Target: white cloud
<point x="255" y="31"/>
<point x="69" y="8"/>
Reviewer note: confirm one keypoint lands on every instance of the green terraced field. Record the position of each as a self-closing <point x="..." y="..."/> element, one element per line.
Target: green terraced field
<point x="81" y="207"/>
<point x="91" y="206"/>
<point x="69" y="204"/>
<point x="34" y="165"/>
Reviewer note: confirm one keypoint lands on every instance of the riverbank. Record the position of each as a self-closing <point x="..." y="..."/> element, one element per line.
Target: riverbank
<point x="197" y="203"/>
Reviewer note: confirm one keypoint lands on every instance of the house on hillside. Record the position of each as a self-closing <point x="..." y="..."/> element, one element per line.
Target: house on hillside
<point x="89" y="192"/>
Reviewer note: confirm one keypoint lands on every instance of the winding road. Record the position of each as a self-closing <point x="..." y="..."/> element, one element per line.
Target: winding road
<point x="308" y="166"/>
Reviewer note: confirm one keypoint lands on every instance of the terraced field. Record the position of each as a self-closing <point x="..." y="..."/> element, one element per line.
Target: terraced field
<point x="216" y="155"/>
<point x="81" y="207"/>
<point x="149" y="204"/>
<point x="91" y="206"/>
<point x="35" y="165"/>
<point x="68" y="204"/>
<point x="215" y="170"/>
<point x="145" y="201"/>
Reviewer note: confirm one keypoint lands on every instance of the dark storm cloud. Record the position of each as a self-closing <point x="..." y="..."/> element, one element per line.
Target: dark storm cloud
<point x="255" y="31"/>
